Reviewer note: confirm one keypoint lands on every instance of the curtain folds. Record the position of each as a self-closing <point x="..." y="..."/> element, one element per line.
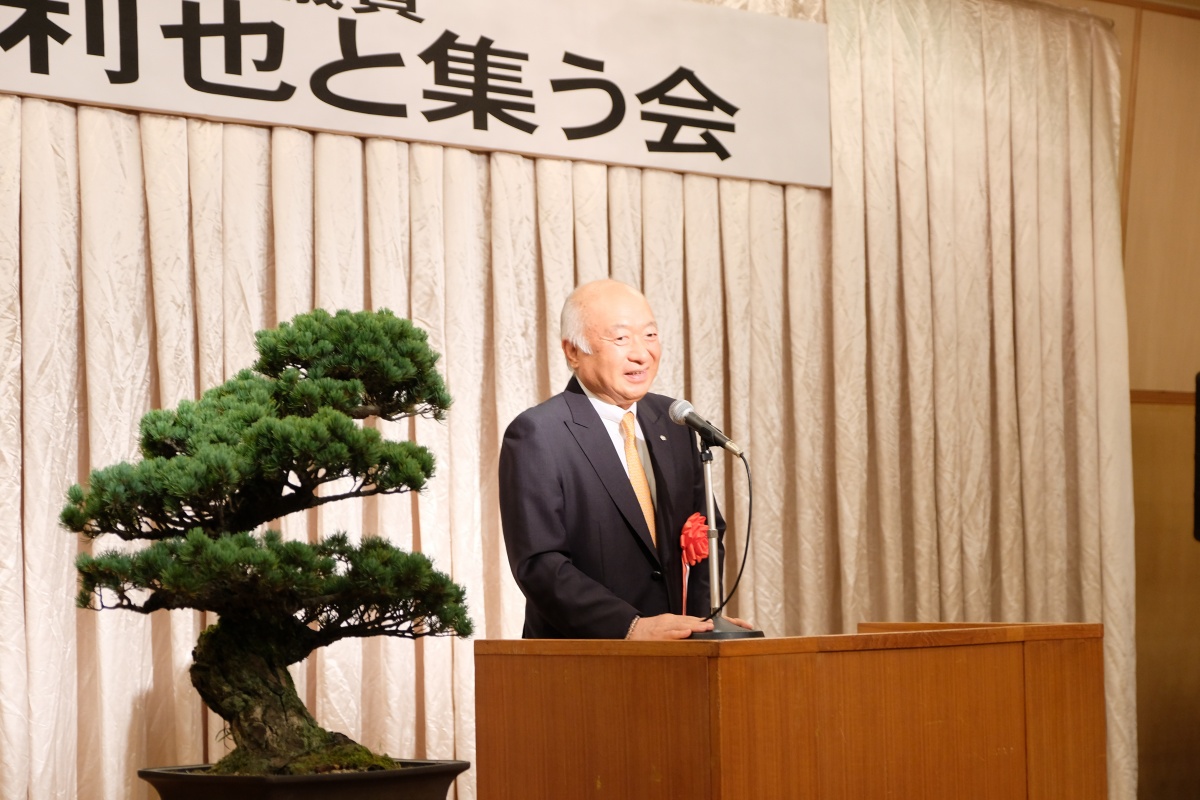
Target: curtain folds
<point x="927" y="364"/>
<point x="14" y="685"/>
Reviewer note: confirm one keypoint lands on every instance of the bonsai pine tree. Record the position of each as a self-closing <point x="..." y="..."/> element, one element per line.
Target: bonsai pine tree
<point x="250" y="451"/>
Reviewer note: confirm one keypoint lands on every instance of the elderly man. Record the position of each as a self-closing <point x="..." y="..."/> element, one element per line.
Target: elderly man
<point x="597" y="482"/>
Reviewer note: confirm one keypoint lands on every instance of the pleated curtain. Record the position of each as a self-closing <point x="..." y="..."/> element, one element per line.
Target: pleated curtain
<point x="927" y="364"/>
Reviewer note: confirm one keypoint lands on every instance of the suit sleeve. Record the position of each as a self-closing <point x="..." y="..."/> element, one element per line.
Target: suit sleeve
<point x="534" y="517"/>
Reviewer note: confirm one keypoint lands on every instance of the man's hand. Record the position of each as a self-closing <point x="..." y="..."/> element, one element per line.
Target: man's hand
<point x="668" y="626"/>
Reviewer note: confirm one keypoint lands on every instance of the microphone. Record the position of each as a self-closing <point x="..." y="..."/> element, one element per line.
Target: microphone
<point x="682" y="413"/>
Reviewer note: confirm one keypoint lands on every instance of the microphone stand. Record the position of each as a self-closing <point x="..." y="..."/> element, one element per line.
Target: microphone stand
<point x="722" y="628"/>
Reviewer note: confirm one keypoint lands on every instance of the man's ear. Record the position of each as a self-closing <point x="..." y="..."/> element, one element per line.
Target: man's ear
<point x="572" y="354"/>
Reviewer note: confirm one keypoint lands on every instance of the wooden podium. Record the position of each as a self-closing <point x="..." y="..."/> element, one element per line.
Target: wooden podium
<point x="897" y="711"/>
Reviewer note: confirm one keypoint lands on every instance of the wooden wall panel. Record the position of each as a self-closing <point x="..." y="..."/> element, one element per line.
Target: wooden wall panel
<point x="1168" y="603"/>
<point x="1179" y="7"/>
<point x="1162" y="239"/>
<point x="1161" y="203"/>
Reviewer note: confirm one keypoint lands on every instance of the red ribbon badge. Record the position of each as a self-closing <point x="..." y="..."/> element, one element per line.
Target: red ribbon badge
<point x="694" y="544"/>
<point x="694" y="539"/>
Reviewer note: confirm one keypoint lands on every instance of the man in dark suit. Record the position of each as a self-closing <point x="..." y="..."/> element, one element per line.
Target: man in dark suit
<point x="597" y="482"/>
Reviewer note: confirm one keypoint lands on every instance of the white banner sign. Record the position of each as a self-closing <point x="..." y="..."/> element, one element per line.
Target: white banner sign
<point x="651" y="83"/>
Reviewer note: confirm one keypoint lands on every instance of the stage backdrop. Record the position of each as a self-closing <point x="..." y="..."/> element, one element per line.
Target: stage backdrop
<point x="927" y="364"/>
<point x="562" y="78"/>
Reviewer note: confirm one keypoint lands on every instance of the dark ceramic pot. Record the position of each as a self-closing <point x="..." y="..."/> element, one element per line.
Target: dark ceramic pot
<point x="414" y="780"/>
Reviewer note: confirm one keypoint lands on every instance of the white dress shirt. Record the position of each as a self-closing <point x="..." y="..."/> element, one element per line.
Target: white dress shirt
<point x="611" y="416"/>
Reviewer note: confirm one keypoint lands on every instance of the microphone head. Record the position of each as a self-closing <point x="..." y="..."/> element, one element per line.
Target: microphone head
<point x="679" y="411"/>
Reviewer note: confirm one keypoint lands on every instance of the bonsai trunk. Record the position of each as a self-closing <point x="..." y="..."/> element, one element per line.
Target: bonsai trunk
<point x="240" y="671"/>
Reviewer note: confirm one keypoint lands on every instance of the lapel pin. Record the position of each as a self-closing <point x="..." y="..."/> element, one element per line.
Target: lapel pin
<point x="662" y="437"/>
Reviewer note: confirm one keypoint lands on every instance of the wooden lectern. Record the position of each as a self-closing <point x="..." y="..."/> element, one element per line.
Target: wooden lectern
<point x="906" y="711"/>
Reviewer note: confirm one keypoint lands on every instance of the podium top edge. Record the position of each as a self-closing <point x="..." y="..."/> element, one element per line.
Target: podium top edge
<point x="871" y="636"/>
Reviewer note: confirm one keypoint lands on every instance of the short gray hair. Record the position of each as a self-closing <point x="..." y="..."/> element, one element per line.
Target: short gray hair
<point x="572" y="325"/>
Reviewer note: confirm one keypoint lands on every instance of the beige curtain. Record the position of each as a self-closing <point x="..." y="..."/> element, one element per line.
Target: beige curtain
<point x="975" y="448"/>
<point x="927" y="364"/>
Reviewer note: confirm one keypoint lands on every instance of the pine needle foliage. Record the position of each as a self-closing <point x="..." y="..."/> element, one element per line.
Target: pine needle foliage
<point x="259" y="447"/>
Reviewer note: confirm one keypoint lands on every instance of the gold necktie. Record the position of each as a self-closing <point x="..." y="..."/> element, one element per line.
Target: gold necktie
<point x="637" y="475"/>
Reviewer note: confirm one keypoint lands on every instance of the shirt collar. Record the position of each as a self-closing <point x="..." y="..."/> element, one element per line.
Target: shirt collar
<point x="607" y="411"/>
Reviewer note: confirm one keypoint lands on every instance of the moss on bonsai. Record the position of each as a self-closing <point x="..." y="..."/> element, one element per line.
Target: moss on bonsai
<point x="250" y="451"/>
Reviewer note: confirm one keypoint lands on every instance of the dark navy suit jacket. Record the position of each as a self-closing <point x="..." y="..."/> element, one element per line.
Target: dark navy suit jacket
<point x="577" y="540"/>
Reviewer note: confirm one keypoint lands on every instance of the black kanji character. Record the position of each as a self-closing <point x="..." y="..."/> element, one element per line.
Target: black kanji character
<point x="482" y="66"/>
<point x="709" y="101"/>
<point x="35" y="25"/>
<point x="350" y="61"/>
<point x="232" y="30"/>
<point x="331" y="3"/>
<point x="128" y="37"/>
<point x="405" y="8"/>
<point x="617" y="112"/>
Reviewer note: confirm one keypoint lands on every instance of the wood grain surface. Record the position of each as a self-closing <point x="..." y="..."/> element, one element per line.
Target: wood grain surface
<point x="942" y="712"/>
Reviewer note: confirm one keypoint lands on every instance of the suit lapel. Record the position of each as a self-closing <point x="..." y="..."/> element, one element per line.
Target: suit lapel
<point x="597" y="446"/>
<point x="654" y="427"/>
<point x="653" y="424"/>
